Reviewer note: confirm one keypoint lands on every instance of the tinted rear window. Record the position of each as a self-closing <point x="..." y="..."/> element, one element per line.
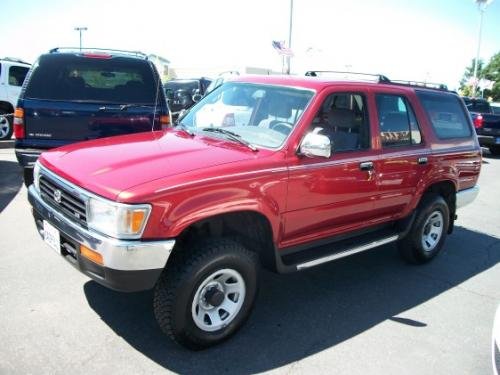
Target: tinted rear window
<point x="478" y="106"/>
<point x="77" y="78"/>
<point x="446" y="114"/>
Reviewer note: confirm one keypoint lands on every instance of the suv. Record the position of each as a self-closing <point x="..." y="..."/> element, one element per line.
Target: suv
<point x="283" y="172"/>
<point x="12" y="74"/>
<point x="72" y="95"/>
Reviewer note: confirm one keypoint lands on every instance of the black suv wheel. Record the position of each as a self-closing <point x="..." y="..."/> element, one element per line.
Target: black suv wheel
<point x="428" y="232"/>
<point x="205" y="295"/>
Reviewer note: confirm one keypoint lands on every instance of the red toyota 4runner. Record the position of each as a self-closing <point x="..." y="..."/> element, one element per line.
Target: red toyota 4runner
<point x="283" y="172"/>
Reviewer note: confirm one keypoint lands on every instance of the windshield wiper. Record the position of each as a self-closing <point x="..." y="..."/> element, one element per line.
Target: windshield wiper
<point x="232" y="136"/>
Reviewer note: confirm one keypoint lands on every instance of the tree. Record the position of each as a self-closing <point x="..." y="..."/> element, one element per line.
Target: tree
<point x="465" y="88"/>
<point x="492" y="73"/>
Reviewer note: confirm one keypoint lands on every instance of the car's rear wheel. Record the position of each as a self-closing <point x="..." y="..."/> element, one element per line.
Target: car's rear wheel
<point x="6" y="127"/>
<point x="428" y="232"/>
<point x="205" y="294"/>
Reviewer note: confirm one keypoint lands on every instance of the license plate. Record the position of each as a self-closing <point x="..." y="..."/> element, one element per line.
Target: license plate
<point x="51" y="236"/>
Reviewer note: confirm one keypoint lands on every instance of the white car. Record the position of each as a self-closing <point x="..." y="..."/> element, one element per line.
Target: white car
<point x="12" y="74"/>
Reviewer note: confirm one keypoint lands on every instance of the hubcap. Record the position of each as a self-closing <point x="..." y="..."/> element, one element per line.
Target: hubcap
<point x="4" y="126"/>
<point x="432" y="231"/>
<point x="218" y="300"/>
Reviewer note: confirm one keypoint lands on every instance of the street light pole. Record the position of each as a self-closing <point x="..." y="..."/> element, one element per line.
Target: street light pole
<point x="481" y="5"/>
<point x="80" y="29"/>
<point x="288" y="58"/>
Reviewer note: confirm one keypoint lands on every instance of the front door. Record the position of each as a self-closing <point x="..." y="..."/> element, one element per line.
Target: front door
<point x="332" y="196"/>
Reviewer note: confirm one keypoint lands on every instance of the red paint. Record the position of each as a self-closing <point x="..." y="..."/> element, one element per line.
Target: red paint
<point x="187" y="179"/>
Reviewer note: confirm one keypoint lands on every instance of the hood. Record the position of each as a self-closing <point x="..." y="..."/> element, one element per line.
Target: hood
<point x="109" y="166"/>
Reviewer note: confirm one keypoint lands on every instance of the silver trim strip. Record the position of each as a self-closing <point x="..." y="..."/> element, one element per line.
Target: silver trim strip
<point x="467" y="196"/>
<point x="343" y="254"/>
<point x="117" y="254"/>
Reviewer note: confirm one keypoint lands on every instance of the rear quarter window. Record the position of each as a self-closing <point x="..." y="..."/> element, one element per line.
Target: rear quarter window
<point x="77" y="78"/>
<point x="446" y="114"/>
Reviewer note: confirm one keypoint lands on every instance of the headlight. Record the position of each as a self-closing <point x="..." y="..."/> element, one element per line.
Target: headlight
<point x="117" y="220"/>
<point x="36" y="175"/>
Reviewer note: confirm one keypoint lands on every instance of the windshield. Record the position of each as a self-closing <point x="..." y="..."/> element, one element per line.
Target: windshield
<point x="261" y="115"/>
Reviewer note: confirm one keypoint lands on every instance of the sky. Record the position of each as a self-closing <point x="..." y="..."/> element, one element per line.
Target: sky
<point x="431" y="40"/>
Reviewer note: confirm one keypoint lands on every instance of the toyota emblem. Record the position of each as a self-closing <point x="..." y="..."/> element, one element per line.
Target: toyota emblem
<point x="57" y="196"/>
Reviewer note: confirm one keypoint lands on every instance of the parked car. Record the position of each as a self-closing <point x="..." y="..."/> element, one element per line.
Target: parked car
<point x="12" y="74"/>
<point x="495" y="108"/>
<point x="495" y="343"/>
<point x="486" y="122"/>
<point x="183" y="93"/>
<point x="291" y="173"/>
<point x="72" y="95"/>
<point x="221" y="78"/>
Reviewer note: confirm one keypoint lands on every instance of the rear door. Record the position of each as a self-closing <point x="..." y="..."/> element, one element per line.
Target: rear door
<point x="77" y="97"/>
<point x="403" y="158"/>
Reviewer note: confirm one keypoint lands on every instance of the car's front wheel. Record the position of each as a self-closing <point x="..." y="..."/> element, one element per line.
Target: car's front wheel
<point x="206" y="293"/>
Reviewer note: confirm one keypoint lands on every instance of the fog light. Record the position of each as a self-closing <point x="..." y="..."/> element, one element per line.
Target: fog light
<point x="91" y="255"/>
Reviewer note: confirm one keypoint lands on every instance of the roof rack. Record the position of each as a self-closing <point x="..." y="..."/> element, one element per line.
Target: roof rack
<point x="429" y="85"/>
<point x="376" y="77"/>
<point x="77" y="49"/>
<point x="15" y="59"/>
<point x="380" y="78"/>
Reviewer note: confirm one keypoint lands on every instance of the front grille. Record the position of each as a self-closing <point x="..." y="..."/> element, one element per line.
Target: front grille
<point x="69" y="204"/>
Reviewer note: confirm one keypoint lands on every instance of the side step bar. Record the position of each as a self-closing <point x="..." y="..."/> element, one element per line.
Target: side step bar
<point x="347" y="252"/>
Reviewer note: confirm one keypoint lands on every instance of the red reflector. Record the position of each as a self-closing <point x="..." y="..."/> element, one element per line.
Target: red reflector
<point x="478" y="122"/>
<point x="19" y="132"/>
<point x="97" y="55"/>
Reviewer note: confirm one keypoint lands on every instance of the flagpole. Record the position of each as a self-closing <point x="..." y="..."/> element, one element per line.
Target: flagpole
<point x="288" y="58"/>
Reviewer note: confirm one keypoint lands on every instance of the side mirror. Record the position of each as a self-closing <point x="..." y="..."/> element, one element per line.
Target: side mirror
<point x="316" y="145"/>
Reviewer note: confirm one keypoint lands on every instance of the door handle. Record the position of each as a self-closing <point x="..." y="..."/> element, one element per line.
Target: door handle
<point x="422" y="160"/>
<point x="366" y="166"/>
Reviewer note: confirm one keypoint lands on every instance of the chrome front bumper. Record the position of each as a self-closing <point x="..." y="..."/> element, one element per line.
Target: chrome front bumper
<point x="137" y="262"/>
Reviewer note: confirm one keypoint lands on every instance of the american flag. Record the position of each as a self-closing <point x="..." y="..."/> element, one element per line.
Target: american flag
<point x="282" y="50"/>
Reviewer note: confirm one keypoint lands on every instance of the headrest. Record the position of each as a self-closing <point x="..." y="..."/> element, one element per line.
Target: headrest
<point x="341" y="117"/>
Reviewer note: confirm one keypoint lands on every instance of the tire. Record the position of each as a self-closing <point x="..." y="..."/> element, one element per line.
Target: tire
<point x="197" y="286"/>
<point x="6" y="126"/>
<point x="28" y="176"/>
<point x="428" y="232"/>
<point x="495" y="150"/>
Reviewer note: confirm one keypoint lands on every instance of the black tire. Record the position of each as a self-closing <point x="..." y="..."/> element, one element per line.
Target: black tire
<point x="28" y="176"/>
<point x="183" y="276"/>
<point x="411" y="247"/>
<point x="6" y="127"/>
<point x="495" y="150"/>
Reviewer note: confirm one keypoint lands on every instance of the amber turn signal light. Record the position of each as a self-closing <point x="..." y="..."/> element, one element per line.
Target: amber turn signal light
<point x="91" y="255"/>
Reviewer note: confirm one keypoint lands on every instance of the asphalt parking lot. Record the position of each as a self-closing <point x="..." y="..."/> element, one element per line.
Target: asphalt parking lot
<point x="370" y="313"/>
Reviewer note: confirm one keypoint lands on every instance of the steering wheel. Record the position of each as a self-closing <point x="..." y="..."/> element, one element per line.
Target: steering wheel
<point x="281" y="126"/>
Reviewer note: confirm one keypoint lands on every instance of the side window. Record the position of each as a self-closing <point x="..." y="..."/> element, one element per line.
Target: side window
<point x="446" y="114"/>
<point x="17" y="75"/>
<point x="343" y="118"/>
<point x="397" y="122"/>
